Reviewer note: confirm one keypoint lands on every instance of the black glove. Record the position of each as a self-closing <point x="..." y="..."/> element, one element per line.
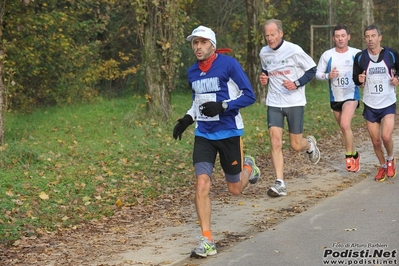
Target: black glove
<point x="211" y="109"/>
<point x="181" y="126"/>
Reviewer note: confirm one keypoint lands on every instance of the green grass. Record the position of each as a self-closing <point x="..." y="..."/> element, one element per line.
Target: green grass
<point x="65" y="165"/>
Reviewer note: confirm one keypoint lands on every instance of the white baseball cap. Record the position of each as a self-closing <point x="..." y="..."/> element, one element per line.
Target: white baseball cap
<point x="203" y="32"/>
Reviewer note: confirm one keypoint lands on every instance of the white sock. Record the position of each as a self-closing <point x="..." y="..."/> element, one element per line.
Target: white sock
<point x="389" y="158"/>
<point x="281" y="181"/>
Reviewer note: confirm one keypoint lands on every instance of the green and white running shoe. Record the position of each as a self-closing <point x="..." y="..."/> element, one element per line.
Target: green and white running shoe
<point x="255" y="175"/>
<point x="205" y="248"/>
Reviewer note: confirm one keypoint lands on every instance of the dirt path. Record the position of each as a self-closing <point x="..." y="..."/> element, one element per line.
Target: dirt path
<point x="165" y="233"/>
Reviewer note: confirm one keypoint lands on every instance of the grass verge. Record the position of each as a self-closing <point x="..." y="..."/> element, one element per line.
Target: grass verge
<point x="66" y="165"/>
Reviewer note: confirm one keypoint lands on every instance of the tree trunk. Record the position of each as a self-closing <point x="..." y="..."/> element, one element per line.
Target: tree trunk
<point x="158" y="95"/>
<point x="161" y="32"/>
<point x="368" y="17"/>
<point x="253" y="66"/>
<point x="2" y="88"/>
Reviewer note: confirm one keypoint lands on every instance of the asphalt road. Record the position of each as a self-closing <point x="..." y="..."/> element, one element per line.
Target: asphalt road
<point x="359" y="226"/>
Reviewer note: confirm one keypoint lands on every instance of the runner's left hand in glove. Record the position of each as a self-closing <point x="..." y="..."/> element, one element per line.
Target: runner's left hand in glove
<point x="211" y="109"/>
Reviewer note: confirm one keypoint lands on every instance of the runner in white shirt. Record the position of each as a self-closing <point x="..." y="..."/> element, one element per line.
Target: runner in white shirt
<point x="286" y="68"/>
<point x="376" y="69"/>
<point x="336" y="66"/>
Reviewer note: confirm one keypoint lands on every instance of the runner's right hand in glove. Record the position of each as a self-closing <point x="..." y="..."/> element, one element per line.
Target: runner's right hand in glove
<point x="181" y="126"/>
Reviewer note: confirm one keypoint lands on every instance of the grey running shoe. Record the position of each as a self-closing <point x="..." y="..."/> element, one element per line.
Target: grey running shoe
<point x="314" y="156"/>
<point x="205" y="248"/>
<point x="255" y="175"/>
<point x="277" y="190"/>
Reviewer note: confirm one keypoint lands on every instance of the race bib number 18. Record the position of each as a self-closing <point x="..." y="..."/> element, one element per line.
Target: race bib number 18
<point x="378" y="86"/>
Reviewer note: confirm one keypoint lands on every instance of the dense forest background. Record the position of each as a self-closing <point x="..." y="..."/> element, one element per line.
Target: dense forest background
<point x="66" y="51"/>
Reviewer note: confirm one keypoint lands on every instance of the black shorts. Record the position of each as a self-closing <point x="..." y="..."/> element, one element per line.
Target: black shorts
<point x="230" y="153"/>
<point x="337" y="106"/>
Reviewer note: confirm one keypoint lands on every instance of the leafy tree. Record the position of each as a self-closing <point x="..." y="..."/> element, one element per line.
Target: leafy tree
<point x="52" y="51"/>
<point x="2" y="107"/>
<point x="119" y="51"/>
<point x="347" y="12"/>
<point x="387" y="19"/>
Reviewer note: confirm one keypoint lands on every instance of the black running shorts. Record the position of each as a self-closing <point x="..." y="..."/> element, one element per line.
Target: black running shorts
<point x="337" y="106"/>
<point x="230" y="153"/>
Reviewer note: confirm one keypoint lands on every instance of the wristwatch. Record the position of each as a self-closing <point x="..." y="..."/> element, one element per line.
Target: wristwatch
<point x="225" y="105"/>
<point x="297" y="84"/>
